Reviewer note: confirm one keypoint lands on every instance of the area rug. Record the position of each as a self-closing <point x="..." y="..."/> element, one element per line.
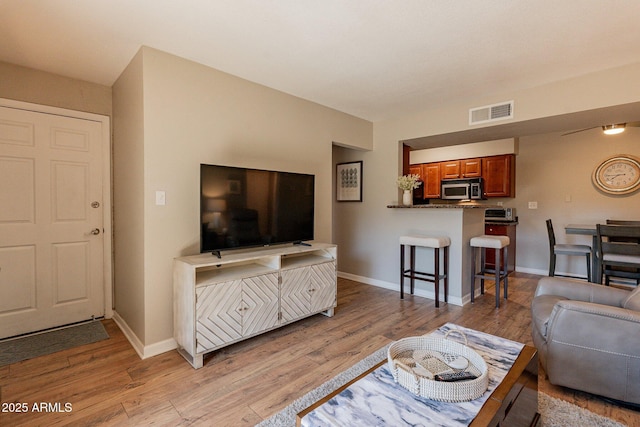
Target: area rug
<point x="560" y="413"/>
<point x="28" y="347"/>
<point x="554" y="412"/>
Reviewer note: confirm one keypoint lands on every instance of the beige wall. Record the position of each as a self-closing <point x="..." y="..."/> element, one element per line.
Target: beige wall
<point x="193" y="114"/>
<point x="39" y="87"/>
<point x="367" y="233"/>
<point x="592" y="91"/>
<point x="555" y="171"/>
<point x="128" y="194"/>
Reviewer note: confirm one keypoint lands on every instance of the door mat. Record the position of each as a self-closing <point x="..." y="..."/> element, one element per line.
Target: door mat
<point x="24" y="348"/>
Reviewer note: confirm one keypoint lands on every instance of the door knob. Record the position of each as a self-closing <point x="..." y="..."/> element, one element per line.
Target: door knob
<point x="95" y="231"/>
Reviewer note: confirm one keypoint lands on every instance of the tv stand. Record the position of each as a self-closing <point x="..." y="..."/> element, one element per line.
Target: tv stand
<point x="301" y="243"/>
<point x="220" y="301"/>
<point x="217" y="253"/>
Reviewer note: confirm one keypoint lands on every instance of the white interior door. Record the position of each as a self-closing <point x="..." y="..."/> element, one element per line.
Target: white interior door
<point x="51" y="221"/>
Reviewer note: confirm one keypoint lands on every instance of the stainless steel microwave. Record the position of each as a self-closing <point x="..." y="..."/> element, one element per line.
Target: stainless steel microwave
<point x="462" y="189"/>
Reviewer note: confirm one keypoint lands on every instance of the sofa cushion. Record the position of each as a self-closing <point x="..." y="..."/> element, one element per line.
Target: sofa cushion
<point x="632" y="302"/>
<point x="541" y="308"/>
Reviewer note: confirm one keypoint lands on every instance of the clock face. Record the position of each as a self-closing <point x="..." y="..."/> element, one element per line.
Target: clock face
<point x="618" y="175"/>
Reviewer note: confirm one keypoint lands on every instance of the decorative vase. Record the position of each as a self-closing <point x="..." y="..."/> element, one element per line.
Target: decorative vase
<point x="407" y="198"/>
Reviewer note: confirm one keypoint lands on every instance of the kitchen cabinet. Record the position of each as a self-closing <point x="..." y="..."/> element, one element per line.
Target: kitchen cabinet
<point x="502" y="229"/>
<point x="465" y="168"/>
<point x="499" y="175"/>
<point x="450" y="169"/>
<point x="418" y="192"/>
<point x="415" y="170"/>
<point x="471" y="168"/>
<point x="498" y="172"/>
<point x="431" y="180"/>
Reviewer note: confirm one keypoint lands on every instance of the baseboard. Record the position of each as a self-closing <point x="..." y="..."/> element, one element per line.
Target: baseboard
<point x="129" y="334"/>
<point x="160" y="347"/>
<point x="143" y="351"/>
<point x="536" y="271"/>
<point x="394" y="287"/>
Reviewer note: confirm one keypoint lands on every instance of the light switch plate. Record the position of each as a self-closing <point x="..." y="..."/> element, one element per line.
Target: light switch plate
<point x="161" y="198"/>
<point x="533" y="205"/>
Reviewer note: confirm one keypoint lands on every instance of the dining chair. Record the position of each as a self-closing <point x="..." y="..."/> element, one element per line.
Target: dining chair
<point x="566" y="249"/>
<point x="619" y="252"/>
<point x="624" y="222"/>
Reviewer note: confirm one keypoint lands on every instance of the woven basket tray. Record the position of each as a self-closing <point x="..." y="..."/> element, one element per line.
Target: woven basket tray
<point x="414" y="362"/>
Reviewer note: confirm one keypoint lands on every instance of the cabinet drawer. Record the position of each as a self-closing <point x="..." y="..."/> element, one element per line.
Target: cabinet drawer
<point x="496" y="230"/>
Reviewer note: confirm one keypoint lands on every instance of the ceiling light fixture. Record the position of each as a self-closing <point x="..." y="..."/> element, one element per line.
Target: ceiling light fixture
<point x="613" y="129"/>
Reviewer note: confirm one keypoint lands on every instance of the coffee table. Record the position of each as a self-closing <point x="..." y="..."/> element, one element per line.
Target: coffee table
<point x="372" y="398"/>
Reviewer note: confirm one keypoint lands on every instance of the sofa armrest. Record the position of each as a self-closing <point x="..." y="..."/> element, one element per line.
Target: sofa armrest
<point x="594" y="348"/>
<point x="605" y="312"/>
<point x="581" y="291"/>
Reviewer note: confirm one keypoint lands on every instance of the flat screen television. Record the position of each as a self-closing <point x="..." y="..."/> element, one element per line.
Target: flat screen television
<point x="241" y="207"/>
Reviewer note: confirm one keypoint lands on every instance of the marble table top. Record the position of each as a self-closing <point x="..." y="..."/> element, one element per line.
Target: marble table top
<point x="376" y="400"/>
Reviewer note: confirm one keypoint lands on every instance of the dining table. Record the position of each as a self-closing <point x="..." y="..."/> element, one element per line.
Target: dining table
<point x="588" y="230"/>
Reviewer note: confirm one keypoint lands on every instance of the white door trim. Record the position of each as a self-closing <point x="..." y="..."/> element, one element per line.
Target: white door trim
<point x="106" y="179"/>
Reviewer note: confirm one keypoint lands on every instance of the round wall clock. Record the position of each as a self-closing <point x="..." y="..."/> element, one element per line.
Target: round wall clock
<point x="619" y="174"/>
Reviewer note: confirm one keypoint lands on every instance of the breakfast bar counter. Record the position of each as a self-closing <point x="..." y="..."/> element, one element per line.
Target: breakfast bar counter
<point x="458" y="222"/>
<point x="441" y="206"/>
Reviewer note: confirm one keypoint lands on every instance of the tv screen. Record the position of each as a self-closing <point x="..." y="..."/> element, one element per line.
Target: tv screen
<point x="242" y="207"/>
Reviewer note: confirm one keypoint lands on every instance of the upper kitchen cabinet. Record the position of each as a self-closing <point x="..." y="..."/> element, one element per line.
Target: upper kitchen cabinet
<point x="499" y="175"/>
<point x="471" y="168"/>
<point x="418" y="192"/>
<point x="465" y="168"/>
<point x="431" y="180"/>
<point x="450" y="169"/>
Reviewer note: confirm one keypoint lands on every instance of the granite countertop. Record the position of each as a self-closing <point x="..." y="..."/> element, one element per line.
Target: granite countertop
<point x="490" y="222"/>
<point x="444" y="206"/>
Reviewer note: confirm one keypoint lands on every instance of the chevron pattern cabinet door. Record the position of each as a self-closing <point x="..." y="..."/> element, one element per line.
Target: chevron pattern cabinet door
<point x="323" y="283"/>
<point x="295" y="298"/>
<point x="259" y="303"/>
<point x="219" y="314"/>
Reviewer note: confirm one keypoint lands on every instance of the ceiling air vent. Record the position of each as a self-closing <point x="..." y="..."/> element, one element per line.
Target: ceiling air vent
<point x="490" y="113"/>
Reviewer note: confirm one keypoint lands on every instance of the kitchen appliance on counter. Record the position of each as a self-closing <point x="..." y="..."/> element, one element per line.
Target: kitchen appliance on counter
<point x="462" y="189"/>
<point x="500" y="215"/>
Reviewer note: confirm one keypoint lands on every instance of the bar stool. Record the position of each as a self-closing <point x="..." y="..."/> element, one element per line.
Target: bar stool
<point x="436" y="243"/>
<point x="499" y="244"/>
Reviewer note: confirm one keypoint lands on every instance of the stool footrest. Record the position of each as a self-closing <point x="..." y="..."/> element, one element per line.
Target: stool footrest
<point x="428" y="277"/>
<point x="489" y="276"/>
<point x="493" y="272"/>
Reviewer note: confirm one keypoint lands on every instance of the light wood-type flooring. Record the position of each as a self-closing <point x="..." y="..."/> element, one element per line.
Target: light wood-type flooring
<point x="106" y="383"/>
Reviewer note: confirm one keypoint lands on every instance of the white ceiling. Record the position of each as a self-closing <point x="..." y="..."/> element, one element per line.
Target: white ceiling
<point x="375" y="59"/>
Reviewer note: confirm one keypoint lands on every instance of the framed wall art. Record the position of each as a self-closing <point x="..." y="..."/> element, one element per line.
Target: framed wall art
<point x="349" y="182"/>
